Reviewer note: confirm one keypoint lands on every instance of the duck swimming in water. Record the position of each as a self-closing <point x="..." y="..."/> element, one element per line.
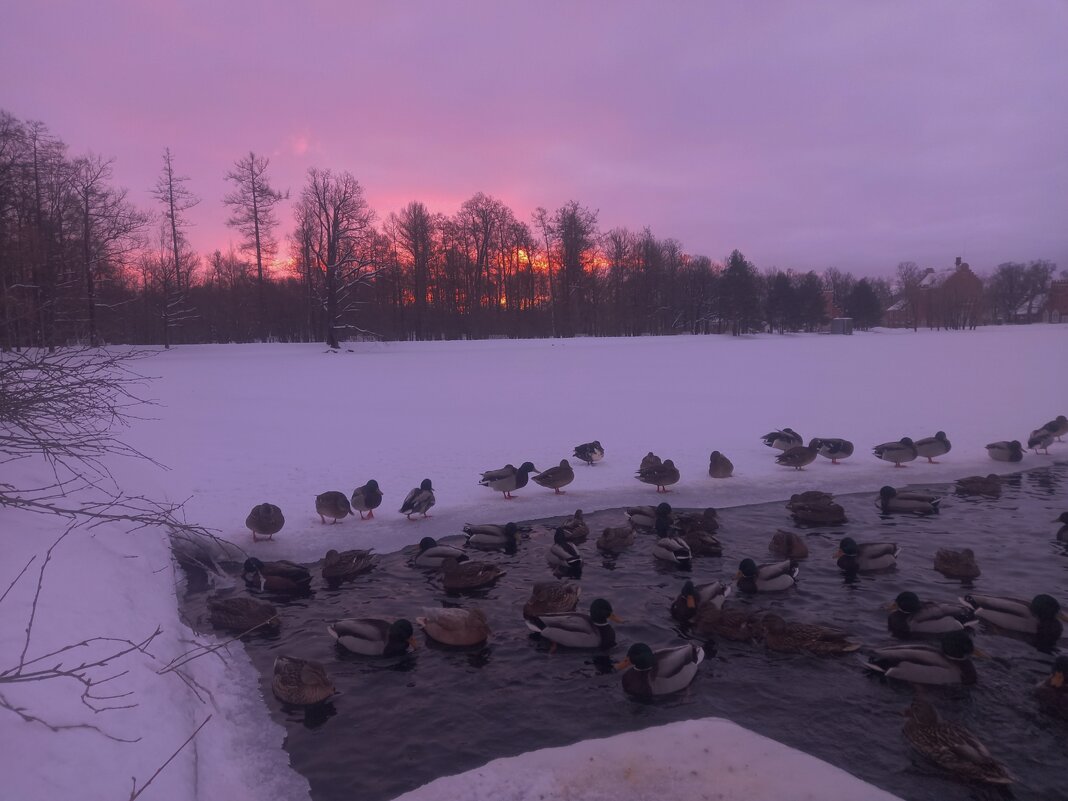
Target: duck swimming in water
<point x="372" y="636"/>
<point x="854" y="557"/>
<point x="432" y="555"/>
<point x="950" y="663"/>
<point x="300" y="682"/>
<point x="951" y="746"/>
<point x="651" y="673"/>
<point x="1041" y="616"/>
<point x="892" y="501"/>
<point x="577" y="630"/>
<point x="909" y="616"/>
<point x="772" y="577"/>
<point x="692" y="596"/>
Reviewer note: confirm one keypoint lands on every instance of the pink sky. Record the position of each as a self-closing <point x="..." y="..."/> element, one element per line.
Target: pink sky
<point x="806" y="134"/>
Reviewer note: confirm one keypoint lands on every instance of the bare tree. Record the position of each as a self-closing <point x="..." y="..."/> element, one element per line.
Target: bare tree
<point x="576" y="230"/>
<point x="253" y="202"/>
<point x="170" y="190"/>
<point x="909" y="276"/>
<point x="415" y="236"/>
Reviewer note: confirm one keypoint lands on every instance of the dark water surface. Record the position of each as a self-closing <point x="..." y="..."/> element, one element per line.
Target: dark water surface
<point x="399" y="723"/>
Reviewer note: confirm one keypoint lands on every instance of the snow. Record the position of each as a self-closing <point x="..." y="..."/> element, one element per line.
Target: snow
<point x="239" y="425"/>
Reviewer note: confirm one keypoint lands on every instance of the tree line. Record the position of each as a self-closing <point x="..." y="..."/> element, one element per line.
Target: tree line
<point x="81" y="263"/>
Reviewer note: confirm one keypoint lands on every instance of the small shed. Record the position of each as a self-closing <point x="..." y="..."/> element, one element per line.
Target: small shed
<point x="842" y="325"/>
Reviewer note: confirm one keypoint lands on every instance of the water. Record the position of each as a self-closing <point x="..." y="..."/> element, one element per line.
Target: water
<point x="399" y="723"/>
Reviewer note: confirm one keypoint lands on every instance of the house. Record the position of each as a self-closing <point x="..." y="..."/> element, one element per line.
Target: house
<point x="1056" y="309"/>
<point x="949" y="298"/>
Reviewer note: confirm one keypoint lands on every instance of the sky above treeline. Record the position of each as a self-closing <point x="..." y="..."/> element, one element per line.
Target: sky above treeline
<point x="807" y="135"/>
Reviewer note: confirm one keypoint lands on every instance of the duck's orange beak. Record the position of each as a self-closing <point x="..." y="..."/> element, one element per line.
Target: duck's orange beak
<point x="839" y="554"/>
<point x="738" y="575"/>
<point x="891" y="607"/>
<point x="1056" y="680"/>
<point x="615" y="618"/>
<point x="691" y="602"/>
<point x="626" y="663"/>
<point x="413" y="643"/>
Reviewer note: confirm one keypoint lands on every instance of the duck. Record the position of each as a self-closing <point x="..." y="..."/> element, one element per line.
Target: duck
<point x="366" y="499"/>
<point x="1057" y="427"/>
<point x="300" y="682"/>
<point x="673" y="550"/>
<point x="551" y="598"/>
<point x="729" y="623"/>
<point x="957" y="564"/>
<point x="792" y="638"/>
<point x="1041" y="616"/>
<point x="1052" y="692"/>
<point x="854" y="557"/>
<point x="492" y="537"/>
<point x="701" y="542"/>
<point x="563" y="556"/>
<point x="1062" y="532"/>
<point x="431" y="553"/>
<point x="1005" y="451"/>
<point x="719" y="466"/>
<point x="556" y="477"/>
<point x="770" y="577"/>
<point x="833" y="448"/>
<point x="589" y="452"/>
<point x="239" y="613"/>
<point x="346" y="565"/>
<point x="455" y="626"/>
<point x="988" y="485"/>
<point x="577" y="630"/>
<point x="949" y="663"/>
<point x="645" y="517"/>
<point x="1040" y="439"/>
<point x="930" y="447"/>
<point x="951" y="746"/>
<point x="892" y="501"/>
<point x="782" y="440"/>
<point x="706" y="520"/>
<point x="373" y="636"/>
<point x="904" y="450"/>
<point x="457" y="576"/>
<point x="615" y="539"/>
<point x="809" y="497"/>
<point x="787" y="545"/>
<point x="817" y="513"/>
<point x="664" y="671"/>
<point x="649" y="460"/>
<point x="661" y="476"/>
<point x="507" y="479"/>
<point x="798" y="456"/>
<point x="909" y="616"/>
<point x="264" y="521"/>
<point x="692" y="596"/>
<point x="419" y="500"/>
<point x="282" y="577"/>
<point x="332" y="504"/>
<point x="575" y="527"/>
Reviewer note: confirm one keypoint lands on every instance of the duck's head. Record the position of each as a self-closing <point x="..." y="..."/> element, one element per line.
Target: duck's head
<point x="908" y="602"/>
<point x="597" y="442"/>
<point x="578" y="514"/>
<point x="922" y="712"/>
<point x="958" y="645"/>
<point x="747" y="568"/>
<point x="565" y="463"/>
<point x="669" y="464"/>
<point x="815" y="443"/>
<point x="425" y="485"/>
<point x="252" y="566"/>
<point x="1062" y="519"/>
<point x="847" y="547"/>
<point x="601" y="612"/>
<point x="372" y="485"/>
<point x="1045" y="607"/>
<point x="689" y="592"/>
<point x="773" y="623"/>
<point x="401" y="631"/>
<point x="1060" y="672"/>
<point x="715" y="455"/>
<point x="886" y="493"/>
<point x="941" y="435"/>
<point x="639" y="656"/>
<point x="528" y="467"/>
<point x="331" y="556"/>
<point x="907" y="441"/>
<point x="560" y="537"/>
<point x="511" y="531"/>
<point x="426" y="543"/>
<point x="1015" y="445"/>
<point x="663" y="510"/>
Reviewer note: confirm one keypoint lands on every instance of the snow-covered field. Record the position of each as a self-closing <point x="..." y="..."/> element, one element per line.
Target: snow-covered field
<point x="239" y="425"/>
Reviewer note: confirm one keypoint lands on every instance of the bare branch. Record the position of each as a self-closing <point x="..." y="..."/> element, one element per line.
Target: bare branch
<point x="135" y="792"/>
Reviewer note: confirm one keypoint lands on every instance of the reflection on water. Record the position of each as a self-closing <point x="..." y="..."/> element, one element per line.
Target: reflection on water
<point x="402" y="722"/>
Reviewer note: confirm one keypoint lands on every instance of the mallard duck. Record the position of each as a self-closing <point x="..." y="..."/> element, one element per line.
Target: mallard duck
<point x="239" y="613"/>
<point x="702" y="543"/>
<point x="1041" y="617"/>
<point x="956" y="564"/>
<point x="508" y="478"/>
<point x="908" y="616"/>
<point x="265" y="521"/>
<point x="989" y="485"/>
<point x="367" y="498"/>
<point x="492" y="536"/>
<point x="693" y="596"/>
<point x="615" y="540"/>
<point x="649" y="460"/>
<point x="892" y="501"/>
<point x="792" y="638"/>
<point x="556" y="477"/>
<point x="300" y="682"/>
<point x="346" y="565"/>
<point x="457" y="576"/>
<point x="833" y="448"/>
<point x="576" y="630"/>
<point x="951" y="746"/>
<point x="820" y="511"/>
<point x="1057" y="427"/>
<point x="728" y="623"/>
<point x="950" y="663"/>
<point x="1062" y="532"/>
<point x="706" y="520"/>
<point x="719" y="466"/>
<point x="563" y="556"/>
<point x="332" y="504"/>
<point x="373" y="636"/>
<point x="661" y="672"/>
<point x="809" y="498"/>
<point x="798" y="456"/>
<point x="646" y="517"/>
<point x="904" y="450"/>
<point x="930" y="447"/>
<point x="419" y="500"/>
<point x="455" y="626"/>
<point x="1005" y="451"/>
<point x="1040" y="439"/>
<point x="787" y="545"/>
<point x="552" y="598"/>
<point x="771" y="577"/>
<point x="575" y="527"/>
<point x="782" y="440"/>
<point x="282" y="577"/>
<point x="854" y="557"/>
<point x="673" y="550"/>
<point x="661" y="476"/>
<point x="589" y="452"/>
<point x="1052" y="693"/>
<point x="431" y="554"/>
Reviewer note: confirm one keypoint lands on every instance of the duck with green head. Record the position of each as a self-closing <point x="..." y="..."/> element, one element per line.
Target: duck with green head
<point x="904" y="450"/>
<point x="280" y="577"/>
<point x="419" y="500"/>
<point x="893" y="501"/>
<point x="868" y="557"/>
<point x="909" y="616"/>
<point x="930" y="447"/>
<point x="692" y="596"/>
<point x="432" y="555"/>
<point x="651" y="673"/>
<point x="1052" y="692"/>
<point x="1041" y="616"/>
<point x="949" y="663"/>
<point x="492" y="536"/>
<point x="372" y="636"/>
<point x="577" y="630"/>
<point x="366" y="499"/>
<point x="771" y="577"/>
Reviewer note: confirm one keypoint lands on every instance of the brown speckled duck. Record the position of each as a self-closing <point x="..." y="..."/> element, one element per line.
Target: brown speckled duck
<point x="264" y="521"/>
<point x="334" y="505"/>
<point x="300" y="682"/>
<point x="951" y="746"/>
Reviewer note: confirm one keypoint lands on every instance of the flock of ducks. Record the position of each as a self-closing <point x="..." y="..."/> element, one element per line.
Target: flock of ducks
<point x="701" y="609"/>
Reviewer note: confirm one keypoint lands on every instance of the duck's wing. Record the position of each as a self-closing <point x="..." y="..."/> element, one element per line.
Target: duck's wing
<point x="876" y="550"/>
<point x="366" y="628"/>
<point x="776" y="569"/>
<point x="670" y="662"/>
<point x="496" y="475"/>
<point x="406" y="506"/>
